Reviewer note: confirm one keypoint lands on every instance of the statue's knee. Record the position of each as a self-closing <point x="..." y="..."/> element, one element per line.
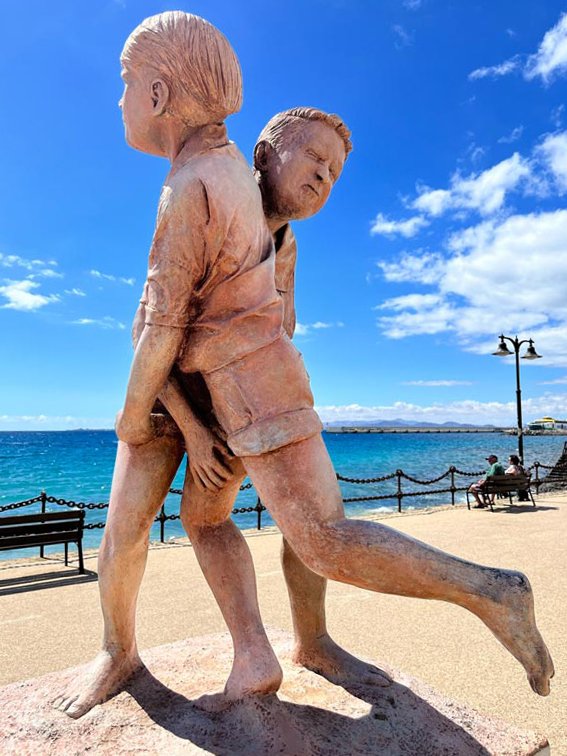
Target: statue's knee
<point x="313" y="546"/>
<point x="122" y="536"/>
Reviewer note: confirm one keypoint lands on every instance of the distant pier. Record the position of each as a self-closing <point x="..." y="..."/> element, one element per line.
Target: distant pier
<point x="414" y="429"/>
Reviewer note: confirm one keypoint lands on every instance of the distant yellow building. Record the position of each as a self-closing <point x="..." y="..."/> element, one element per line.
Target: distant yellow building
<point x="547" y="424"/>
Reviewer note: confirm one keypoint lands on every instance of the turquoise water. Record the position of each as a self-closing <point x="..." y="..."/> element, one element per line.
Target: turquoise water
<point x="78" y="465"/>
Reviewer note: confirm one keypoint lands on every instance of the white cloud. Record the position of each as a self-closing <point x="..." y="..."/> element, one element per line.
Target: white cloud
<point x="303" y="329"/>
<point x="466" y="411"/>
<point x="434" y="383"/>
<point x="75" y="292"/>
<point x="549" y="61"/>
<point x="110" y="277"/>
<point x="513" y="136"/>
<point x="426" y="268"/>
<point x="38" y="267"/>
<point x="52" y="422"/>
<point x="493" y="72"/>
<point x="105" y="322"/>
<point x="553" y="150"/>
<point x="20" y="295"/>
<point x="555" y="382"/>
<point x="484" y="192"/>
<point x="551" y="57"/>
<point x="501" y="275"/>
<point x="407" y="228"/>
<point x="403" y="37"/>
<point x="412" y="4"/>
<point x="556" y="116"/>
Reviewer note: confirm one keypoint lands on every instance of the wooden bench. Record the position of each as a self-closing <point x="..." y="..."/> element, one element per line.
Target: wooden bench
<point x="44" y="529"/>
<point x="503" y="485"/>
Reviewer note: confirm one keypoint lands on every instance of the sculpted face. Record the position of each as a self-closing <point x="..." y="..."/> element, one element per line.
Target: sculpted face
<point x="299" y="176"/>
<point x="143" y="99"/>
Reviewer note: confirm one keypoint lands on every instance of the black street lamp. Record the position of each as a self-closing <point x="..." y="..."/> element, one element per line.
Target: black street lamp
<point x="530" y="354"/>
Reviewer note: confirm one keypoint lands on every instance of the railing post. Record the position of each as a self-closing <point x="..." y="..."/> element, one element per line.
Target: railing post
<point x="537" y="480"/>
<point x="452" y="469"/>
<point x="399" y="494"/>
<point x="162" y="523"/>
<point x="43" y="503"/>
<point x="259" y="513"/>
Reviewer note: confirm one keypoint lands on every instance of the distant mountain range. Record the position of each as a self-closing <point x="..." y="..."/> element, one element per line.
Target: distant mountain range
<point x="399" y="423"/>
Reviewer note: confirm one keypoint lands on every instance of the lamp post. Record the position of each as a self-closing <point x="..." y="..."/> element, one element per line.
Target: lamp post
<point x="530" y="354"/>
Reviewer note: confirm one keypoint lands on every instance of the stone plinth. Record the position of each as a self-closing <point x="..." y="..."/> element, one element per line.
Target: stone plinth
<point x="159" y="714"/>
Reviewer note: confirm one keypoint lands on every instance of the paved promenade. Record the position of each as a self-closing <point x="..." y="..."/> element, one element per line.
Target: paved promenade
<point x="50" y="617"/>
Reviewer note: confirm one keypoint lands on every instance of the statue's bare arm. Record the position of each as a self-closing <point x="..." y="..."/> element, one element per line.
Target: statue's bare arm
<point x="205" y="449"/>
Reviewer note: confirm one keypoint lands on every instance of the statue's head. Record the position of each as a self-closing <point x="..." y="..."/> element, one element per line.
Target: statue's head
<point x="298" y="158"/>
<point x="179" y="66"/>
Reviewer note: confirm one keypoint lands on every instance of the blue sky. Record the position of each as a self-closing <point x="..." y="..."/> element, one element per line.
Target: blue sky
<point x="448" y="225"/>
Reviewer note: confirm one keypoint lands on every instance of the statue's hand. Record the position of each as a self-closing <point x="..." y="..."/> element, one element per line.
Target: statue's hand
<point x="207" y="456"/>
<point x="134" y="432"/>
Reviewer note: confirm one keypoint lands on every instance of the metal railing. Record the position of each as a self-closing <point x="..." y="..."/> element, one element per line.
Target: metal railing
<point x="398" y="494"/>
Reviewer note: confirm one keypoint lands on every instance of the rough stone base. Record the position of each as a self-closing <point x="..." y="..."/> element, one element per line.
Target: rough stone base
<point x="157" y="714"/>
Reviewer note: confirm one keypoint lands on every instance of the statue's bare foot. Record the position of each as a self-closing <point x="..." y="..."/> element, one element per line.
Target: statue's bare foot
<point x="509" y="613"/>
<point x="105" y="676"/>
<point x="254" y="672"/>
<point x="326" y="658"/>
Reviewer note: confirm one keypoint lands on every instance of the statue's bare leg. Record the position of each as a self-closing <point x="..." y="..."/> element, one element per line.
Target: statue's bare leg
<point x="299" y="487"/>
<point x="141" y="480"/>
<point x="225" y="559"/>
<point x="314" y="647"/>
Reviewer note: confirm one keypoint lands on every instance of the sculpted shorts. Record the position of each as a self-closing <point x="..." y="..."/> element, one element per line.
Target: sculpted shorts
<point x="263" y="401"/>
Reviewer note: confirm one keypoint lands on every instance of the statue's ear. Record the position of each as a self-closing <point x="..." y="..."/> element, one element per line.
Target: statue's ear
<point x="262" y="153"/>
<point x="160" y="96"/>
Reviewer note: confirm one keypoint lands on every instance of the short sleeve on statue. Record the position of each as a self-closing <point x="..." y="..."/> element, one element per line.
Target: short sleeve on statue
<point x="178" y="253"/>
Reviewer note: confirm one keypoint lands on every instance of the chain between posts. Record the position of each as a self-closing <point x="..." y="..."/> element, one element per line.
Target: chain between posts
<point x="259" y="508"/>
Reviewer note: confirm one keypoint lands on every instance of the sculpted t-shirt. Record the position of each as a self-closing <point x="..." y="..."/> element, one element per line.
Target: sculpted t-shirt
<point x="212" y="273"/>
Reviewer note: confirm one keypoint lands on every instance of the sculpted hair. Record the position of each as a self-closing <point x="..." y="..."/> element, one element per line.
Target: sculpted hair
<point x="290" y="121"/>
<point x="194" y="59"/>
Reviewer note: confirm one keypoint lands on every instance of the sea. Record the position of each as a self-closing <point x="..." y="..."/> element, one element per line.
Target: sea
<point x="77" y="466"/>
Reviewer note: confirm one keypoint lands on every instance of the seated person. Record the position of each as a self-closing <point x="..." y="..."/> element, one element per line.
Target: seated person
<point x="494" y="469"/>
<point x="516" y="467"/>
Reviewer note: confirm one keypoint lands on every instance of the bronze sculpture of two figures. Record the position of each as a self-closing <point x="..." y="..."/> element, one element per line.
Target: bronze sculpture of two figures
<point x="215" y="373"/>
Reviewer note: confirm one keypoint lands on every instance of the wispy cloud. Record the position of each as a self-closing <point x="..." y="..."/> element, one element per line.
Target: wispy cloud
<point x="556" y="116"/>
<point x="551" y="57"/>
<point x="110" y="277"/>
<point x="75" y="292"/>
<point x="403" y="37"/>
<point x="426" y="267"/>
<point x="303" y="329"/>
<point x="482" y="192"/>
<point x="412" y="4"/>
<point x="548" y="62"/>
<point x="35" y="266"/>
<point x="22" y="296"/>
<point x="468" y="299"/>
<point x="105" y="322"/>
<point x="513" y="136"/>
<point x="466" y="411"/>
<point x="494" y="72"/>
<point x="383" y="226"/>
<point x="553" y="151"/>
<point x="557" y="381"/>
<point x="52" y="422"/>
<point x="435" y="383"/>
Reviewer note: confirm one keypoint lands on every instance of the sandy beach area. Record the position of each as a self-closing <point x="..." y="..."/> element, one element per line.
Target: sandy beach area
<point x="50" y="617"/>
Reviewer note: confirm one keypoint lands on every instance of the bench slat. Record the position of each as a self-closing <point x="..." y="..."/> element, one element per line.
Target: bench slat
<point x="46" y="539"/>
<point x="72" y="514"/>
<point x="36" y="528"/>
